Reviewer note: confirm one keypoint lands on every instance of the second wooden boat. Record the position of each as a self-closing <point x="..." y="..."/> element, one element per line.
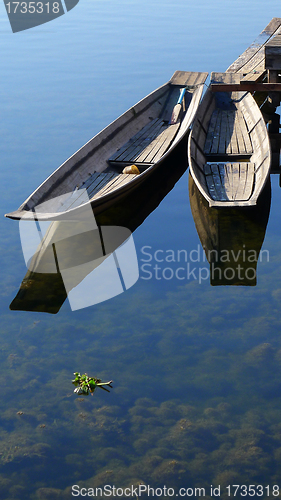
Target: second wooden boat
<point x="141" y="138"/>
<point x="228" y="149"/>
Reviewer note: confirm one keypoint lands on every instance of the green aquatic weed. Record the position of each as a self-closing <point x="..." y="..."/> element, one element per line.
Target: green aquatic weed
<point x="85" y="384"/>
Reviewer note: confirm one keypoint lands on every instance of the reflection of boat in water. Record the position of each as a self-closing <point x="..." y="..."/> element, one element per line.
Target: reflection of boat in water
<point x="72" y="251"/>
<point x="142" y="138"/>
<point x="231" y="238"/>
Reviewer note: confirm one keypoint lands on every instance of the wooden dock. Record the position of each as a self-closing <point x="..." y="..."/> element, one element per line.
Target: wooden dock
<point x="260" y="73"/>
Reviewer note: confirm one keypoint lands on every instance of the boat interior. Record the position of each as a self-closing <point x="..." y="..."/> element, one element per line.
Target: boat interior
<point x="139" y="137"/>
<point x="146" y="147"/>
<point x="228" y="143"/>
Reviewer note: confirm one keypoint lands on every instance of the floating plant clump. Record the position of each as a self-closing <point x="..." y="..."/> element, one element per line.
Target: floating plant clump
<point x="85" y="384"/>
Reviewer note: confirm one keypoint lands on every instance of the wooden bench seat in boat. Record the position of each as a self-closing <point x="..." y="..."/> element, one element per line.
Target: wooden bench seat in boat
<point x="147" y="146"/>
<point x="230" y="181"/>
<point x="227" y="134"/>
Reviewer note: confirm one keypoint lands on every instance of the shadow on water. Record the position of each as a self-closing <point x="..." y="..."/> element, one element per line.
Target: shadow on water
<point x="231" y="238"/>
<point x="83" y="246"/>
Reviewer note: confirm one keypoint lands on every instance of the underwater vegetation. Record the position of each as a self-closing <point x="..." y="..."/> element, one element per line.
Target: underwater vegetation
<point x="87" y="385"/>
<point x="196" y="399"/>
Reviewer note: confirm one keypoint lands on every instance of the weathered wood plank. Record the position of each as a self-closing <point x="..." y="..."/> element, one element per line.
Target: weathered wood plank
<point x="246" y="87"/>
<point x="169" y="137"/>
<point x="235" y="178"/>
<point x="241" y="181"/>
<point x="216" y="180"/>
<point x="96" y="180"/>
<point x="219" y="182"/>
<point x="273" y="46"/>
<point x="239" y="120"/>
<point x="245" y="133"/>
<point x="210" y="182"/>
<point x="136" y="139"/>
<point x="225" y="78"/>
<point x="210" y="132"/>
<point x="233" y="137"/>
<point x="223" y="133"/>
<point x="254" y="76"/>
<point x="120" y="180"/>
<point x="183" y="78"/>
<point x="148" y="153"/>
<point x="136" y="149"/>
<point x="227" y="134"/>
<point x="249" y="181"/>
<point x="256" y="46"/>
<point x="158" y="147"/>
<point x="229" y="181"/>
<point x="229" y="130"/>
<point x="272" y="53"/>
<point x="100" y="181"/>
<point x="253" y="64"/>
<point x="192" y="79"/>
<point x="216" y="134"/>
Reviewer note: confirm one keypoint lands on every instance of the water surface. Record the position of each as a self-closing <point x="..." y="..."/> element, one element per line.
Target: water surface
<point x="196" y="369"/>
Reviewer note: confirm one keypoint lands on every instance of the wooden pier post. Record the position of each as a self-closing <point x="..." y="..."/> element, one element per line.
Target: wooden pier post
<point x="272" y="63"/>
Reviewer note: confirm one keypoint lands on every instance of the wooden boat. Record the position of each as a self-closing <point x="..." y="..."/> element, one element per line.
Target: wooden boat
<point x="228" y="148"/>
<point x="143" y="136"/>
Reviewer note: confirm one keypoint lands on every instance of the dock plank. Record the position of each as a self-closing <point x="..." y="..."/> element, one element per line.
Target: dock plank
<point x="256" y="47"/>
<point x="254" y="76"/>
<point x="226" y="78"/>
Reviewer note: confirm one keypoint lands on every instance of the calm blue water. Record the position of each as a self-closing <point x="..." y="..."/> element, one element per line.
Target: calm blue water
<point x="196" y="369"/>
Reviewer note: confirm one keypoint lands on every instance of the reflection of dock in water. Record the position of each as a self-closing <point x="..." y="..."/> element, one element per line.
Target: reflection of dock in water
<point x="79" y="247"/>
<point x="231" y="238"/>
